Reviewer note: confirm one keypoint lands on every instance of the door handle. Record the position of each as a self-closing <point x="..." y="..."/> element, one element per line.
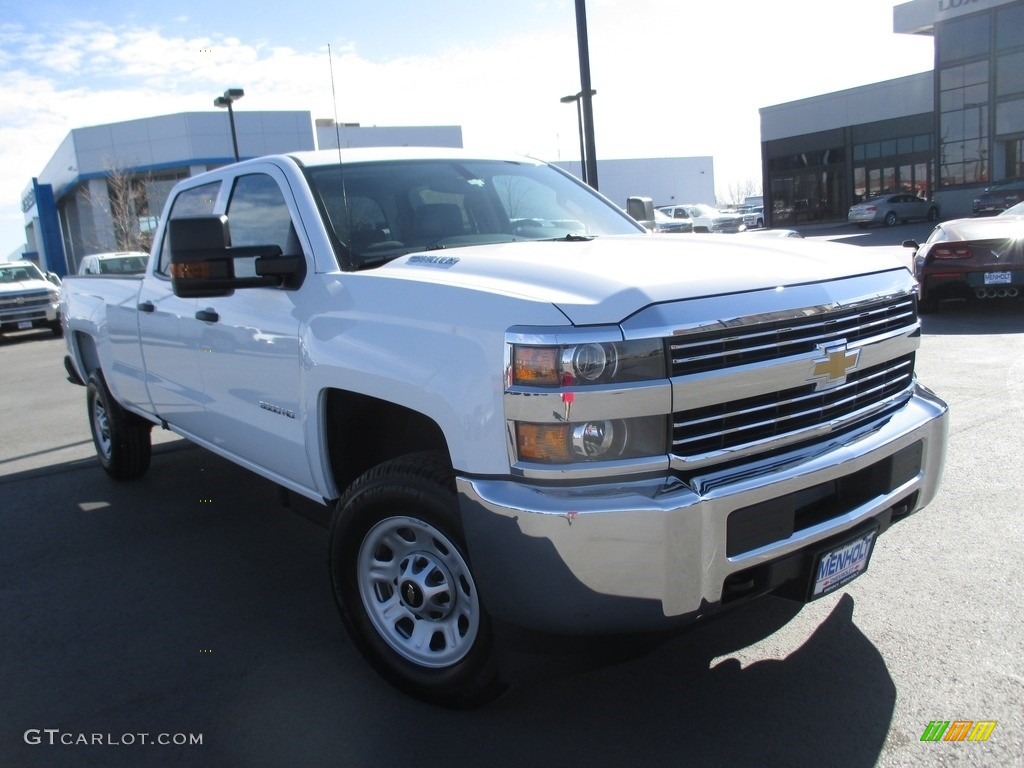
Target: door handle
<point x="207" y="316"/>
<point x="147" y="306"/>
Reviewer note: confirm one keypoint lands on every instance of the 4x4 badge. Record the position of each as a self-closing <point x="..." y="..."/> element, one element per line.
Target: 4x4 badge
<point x="832" y="369"/>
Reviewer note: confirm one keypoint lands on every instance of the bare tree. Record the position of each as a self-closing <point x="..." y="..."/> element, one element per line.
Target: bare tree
<point x="737" y="191"/>
<point x="516" y="194"/>
<point x="126" y="206"/>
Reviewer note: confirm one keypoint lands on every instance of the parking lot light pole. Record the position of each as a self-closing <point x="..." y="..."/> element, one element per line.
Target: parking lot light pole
<point x="586" y="91"/>
<point x="579" y="117"/>
<point x="231" y="95"/>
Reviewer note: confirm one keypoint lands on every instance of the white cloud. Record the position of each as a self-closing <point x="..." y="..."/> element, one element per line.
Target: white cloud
<point x="673" y="79"/>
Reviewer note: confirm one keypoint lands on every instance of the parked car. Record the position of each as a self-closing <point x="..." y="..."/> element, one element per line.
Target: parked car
<point x="28" y="298"/>
<point x="888" y="209"/>
<point x="707" y="218"/>
<point x="665" y="223"/>
<point x="753" y="216"/>
<point x="674" y="211"/>
<point x="1000" y="196"/>
<point x="970" y="258"/>
<point x="115" y="263"/>
<point x="519" y="424"/>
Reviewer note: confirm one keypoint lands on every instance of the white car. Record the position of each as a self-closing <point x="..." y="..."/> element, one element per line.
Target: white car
<point x="519" y="403"/>
<point x="114" y="263"/>
<point x="709" y="219"/>
<point x="753" y="216"/>
<point x="28" y="298"/>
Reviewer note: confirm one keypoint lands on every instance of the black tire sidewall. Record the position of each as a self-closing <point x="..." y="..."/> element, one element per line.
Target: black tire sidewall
<point x="407" y="489"/>
<point x="130" y="445"/>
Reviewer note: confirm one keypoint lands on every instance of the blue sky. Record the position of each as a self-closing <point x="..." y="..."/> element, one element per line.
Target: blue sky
<point x="673" y="78"/>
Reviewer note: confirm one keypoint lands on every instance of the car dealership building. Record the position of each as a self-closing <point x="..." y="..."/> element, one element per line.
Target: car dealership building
<point x="944" y="134"/>
<point x="105" y="180"/>
<point x="103" y="174"/>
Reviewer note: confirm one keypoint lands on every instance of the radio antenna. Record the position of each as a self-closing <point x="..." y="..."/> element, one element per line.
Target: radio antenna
<point x="341" y="170"/>
<point x="334" y="98"/>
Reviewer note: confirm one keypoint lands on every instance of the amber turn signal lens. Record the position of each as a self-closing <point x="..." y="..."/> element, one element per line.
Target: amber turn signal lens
<point x="190" y="270"/>
<point x="536" y="366"/>
<point x="543" y="442"/>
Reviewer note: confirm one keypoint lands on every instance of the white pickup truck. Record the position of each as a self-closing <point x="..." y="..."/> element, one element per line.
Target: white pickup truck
<point x="524" y="409"/>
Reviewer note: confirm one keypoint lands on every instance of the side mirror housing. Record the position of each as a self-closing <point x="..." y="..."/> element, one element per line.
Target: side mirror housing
<point x="642" y="210"/>
<point x="911" y="244"/>
<point x="203" y="263"/>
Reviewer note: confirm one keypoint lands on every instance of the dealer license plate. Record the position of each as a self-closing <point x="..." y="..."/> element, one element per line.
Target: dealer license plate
<point x="24" y="325"/>
<point x="837" y="567"/>
<point x="998" y="278"/>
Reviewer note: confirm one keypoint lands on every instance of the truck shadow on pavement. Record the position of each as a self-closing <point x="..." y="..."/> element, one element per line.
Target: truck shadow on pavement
<point x="191" y="602"/>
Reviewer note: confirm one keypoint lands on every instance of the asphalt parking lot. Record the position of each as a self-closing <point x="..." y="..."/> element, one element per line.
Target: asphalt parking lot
<point x="191" y="603"/>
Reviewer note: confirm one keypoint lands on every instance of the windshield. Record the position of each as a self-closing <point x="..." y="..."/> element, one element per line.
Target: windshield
<point x="12" y="273"/>
<point x="397" y="207"/>
<point x="123" y="265"/>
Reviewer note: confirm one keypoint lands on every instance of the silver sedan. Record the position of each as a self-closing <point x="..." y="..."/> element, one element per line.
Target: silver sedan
<point x="888" y="209"/>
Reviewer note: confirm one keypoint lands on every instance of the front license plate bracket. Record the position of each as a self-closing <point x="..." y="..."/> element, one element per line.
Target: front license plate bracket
<point x="840" y="563"/>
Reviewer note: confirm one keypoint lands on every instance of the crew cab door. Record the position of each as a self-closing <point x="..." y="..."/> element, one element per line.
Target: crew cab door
<point x="249" y="357"/>
<point x="168" y="331"/>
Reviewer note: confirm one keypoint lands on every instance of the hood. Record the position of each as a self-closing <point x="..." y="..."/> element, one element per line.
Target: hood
<point x="26" y="286"/>
<point x="605" y="280"/>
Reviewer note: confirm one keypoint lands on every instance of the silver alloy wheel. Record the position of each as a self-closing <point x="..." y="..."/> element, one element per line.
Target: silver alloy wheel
<point x="101" y="428"/>
<point x="418" y="592"/>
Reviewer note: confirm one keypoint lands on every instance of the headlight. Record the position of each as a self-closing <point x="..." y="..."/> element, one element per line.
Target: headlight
<point x="588" y="363"/>
<point x="596" y="440"/>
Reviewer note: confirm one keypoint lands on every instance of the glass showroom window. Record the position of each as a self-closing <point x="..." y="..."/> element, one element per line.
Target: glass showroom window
<point x="963" y="123"/>
<point x="963" y="51"/>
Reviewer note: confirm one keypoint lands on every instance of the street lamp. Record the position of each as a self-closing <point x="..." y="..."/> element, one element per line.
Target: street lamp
<point x="231" y="95"/>
<point x="577" y="97"/>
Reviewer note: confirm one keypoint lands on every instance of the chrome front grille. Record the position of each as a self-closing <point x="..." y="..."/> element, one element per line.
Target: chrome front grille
<point x="747" y="387"/>
<point x="726" y="426"/>
<point x="25" y="301"/>
<point x="723" y="348"/>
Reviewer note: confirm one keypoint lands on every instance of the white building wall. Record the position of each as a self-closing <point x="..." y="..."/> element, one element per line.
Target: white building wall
<point x="328" y="134"/>
<point x="666" y="180"/>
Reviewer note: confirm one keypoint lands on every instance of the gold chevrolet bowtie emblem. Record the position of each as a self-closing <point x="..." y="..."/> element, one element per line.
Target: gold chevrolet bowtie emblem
<point x="832" y="369"/>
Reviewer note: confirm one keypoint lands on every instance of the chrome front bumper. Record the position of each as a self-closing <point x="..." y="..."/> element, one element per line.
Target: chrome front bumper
<point x="651" y="554"/>
<point x="43" y="313"/>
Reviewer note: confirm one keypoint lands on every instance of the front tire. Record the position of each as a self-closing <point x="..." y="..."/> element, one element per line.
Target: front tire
<point x="122" y="439"/>
<point x="404" y="584"/>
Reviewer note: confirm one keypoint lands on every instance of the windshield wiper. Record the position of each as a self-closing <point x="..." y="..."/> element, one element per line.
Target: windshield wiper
<point x="572" y="237"/>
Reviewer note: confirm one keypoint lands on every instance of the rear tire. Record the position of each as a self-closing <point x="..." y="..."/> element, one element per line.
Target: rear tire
<point x="890" y="219"/>
<point x="122" y="439"/>
<point x="404" y="584"/>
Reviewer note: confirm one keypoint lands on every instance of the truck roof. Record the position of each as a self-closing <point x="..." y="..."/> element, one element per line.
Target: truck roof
<point x="372" y="154"/>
